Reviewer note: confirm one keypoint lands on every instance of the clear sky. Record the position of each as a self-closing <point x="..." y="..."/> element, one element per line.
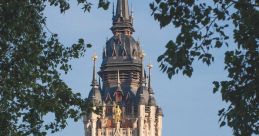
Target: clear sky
<point x="190" y="108"/>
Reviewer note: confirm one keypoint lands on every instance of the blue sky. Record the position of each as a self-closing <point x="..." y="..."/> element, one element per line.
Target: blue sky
<point x="190" y="108"/>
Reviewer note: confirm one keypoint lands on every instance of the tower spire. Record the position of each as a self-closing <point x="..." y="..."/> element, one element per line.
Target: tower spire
<point x="113" y="10"/>
<point x="94" y="81"/>
<point x="143" y="81"/>
<point x="152" y="100"/>
<point x="95" y="94"/>
<point x="118" y="93"/>
<point x="122" y="20"/>
<point x="122" y="9"/>
<point x="150" y="66"/>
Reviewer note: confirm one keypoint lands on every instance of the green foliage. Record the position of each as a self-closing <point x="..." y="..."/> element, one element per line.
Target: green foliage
<point x="31" y="62"/>
<point x="203" y="26"/>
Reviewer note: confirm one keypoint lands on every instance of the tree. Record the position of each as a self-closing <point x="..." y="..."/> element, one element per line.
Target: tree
<point x="203" y="27"/>
<point x="32" y="59"/>
<point x="31" y="62"/>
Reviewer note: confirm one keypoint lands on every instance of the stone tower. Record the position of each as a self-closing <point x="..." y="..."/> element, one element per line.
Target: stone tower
<point x="126" y="98"/>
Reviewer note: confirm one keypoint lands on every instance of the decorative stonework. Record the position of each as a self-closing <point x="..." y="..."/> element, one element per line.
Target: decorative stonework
<point x="126" y="98"/>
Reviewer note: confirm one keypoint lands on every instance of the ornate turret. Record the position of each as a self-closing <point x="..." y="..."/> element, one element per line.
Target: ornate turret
<point x="95" y="94"/>
<point x="142" y="93"/>
<point x="152" y="100"/>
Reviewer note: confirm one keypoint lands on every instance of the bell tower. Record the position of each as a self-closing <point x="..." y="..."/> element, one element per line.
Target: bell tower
<point x="126" y="97"/>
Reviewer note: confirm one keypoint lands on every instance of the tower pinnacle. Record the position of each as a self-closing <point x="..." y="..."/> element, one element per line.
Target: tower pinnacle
<point x="122" y="9"/>
<point x="95" y="94"/>
<point x="94" y="81"/>
<point x="152" y="100"/>
<point x="122" y="20"/>
<point x="150" y="66"/>
<point x="142" y="55"/>
<point x="118" y="93"/>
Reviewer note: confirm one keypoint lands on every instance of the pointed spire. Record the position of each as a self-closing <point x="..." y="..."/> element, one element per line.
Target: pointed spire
<point x="122" y="9"/>
<point x="131" y="14"/>
<point x="122" y="20"/>
<point x="94" y="81"/>
<point x="95" y="94"/>
<point x="118" y="93"/>
<point x="150" y="66"/>
<point x="118" y="83"/>
<point x="113" y="10"/>
<point x="152" y="100"/>
<point x="143" y="80"/>
<point x="131" y="10"/>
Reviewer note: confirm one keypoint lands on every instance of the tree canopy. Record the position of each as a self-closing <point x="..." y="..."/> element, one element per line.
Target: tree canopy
<point x="203" y="26"/>
<point x="31" y="62"/>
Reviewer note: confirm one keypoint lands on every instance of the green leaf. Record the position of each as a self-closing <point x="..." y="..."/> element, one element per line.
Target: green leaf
<point x="223" y="123"/>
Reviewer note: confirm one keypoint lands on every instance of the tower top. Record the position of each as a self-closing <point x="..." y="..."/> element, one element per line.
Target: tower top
<point x="95" y="94"/>
<point x="122" y="19"/>
<point x="122" y="9"/>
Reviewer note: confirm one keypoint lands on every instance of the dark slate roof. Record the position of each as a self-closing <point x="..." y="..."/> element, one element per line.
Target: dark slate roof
<point x="143" y="90"/>
<point x="109" y="93"/>
<point x="141" y="100"/>
<point x="121" y="49"/>
<point x="95" y="96"/>
<point x="159" y="111"/>
<point x="152" y="100"/>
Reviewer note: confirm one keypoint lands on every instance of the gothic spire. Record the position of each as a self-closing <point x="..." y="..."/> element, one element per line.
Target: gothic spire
<point x="122" y="20"/>
<point x="94" y="81"/>
<point x="118" y="93"/>
<point x="152" y="100"/>
<point x="150" y="66"/>
<point x="122" y="9"/>
<point x="118" y="82"/>
<point x="95" y="94"/>
<point x="143" y="79"/>
<point x="113" y="10"/>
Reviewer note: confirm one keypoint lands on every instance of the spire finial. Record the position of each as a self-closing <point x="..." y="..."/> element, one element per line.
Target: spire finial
<point x="131" y="10"/>
<point x="131" y="13"/>
<point x="122" y="9"/>
<point x="113" y="10"/>
<point x="142" y="55"/>
<point x="94" y="58"/>
<point x="118" y="93"/>
<point x="150" y="66"/>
